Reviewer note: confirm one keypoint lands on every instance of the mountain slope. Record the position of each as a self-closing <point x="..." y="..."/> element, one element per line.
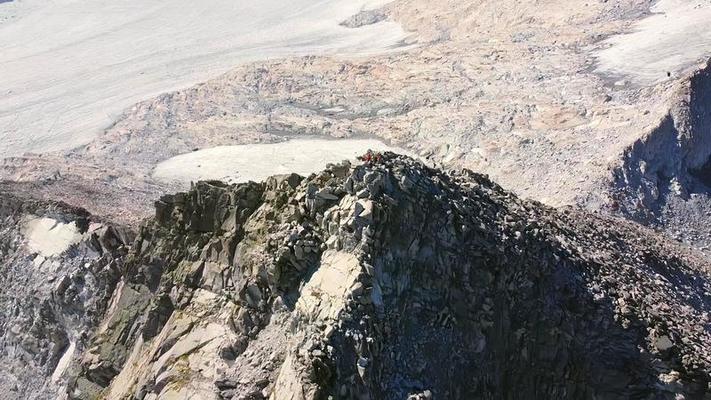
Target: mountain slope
<point x="394" y="280"/>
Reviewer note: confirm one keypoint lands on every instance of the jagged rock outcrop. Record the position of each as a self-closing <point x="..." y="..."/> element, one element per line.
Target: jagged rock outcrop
<point x="392" y="280"/>
<point x="58" y="269"/>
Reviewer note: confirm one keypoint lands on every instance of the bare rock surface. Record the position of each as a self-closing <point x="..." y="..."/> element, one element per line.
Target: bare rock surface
<point x="392" y="280"/>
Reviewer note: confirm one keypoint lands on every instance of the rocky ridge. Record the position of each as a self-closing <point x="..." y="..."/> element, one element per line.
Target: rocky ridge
<point x="390" y="279"/>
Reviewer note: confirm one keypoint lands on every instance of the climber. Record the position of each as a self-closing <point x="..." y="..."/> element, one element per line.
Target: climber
<point x="371" y="157"/>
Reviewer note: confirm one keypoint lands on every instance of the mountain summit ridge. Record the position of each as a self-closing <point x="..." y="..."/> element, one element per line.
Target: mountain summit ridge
<point x="391" y="279"/>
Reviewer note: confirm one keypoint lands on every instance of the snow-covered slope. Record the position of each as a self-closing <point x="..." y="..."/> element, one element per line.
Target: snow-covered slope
<point x="70" y="66"/>
<point x="667" y="44"/>
<point x="256" y="162"/>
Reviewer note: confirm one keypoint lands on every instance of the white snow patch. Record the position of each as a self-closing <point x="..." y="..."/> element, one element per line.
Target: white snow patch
<point x="69" y="67"/>
<point x="50" y="237"/>
<point x="672" y="40"/>
<point x="256" y="162"/>
<point x="63" y="362"/>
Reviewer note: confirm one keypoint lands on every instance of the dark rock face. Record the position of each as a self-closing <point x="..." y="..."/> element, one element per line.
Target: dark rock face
<point x="472" y="293"/>
<point x="391" y="280"/>
<point x="364" y="18"/>
<point x="487" y="296"/>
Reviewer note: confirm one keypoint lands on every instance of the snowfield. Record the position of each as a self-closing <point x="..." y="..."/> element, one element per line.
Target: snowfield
<point x="256" y="162"/>
<point x="49" y="237"/>
<point x="69" y="67"/>
<point x="672" y="40"/>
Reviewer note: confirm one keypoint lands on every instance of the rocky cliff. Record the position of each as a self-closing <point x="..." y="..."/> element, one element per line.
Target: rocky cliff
<point x="58" y="269"/>
<point x="384" y="280"/>
<point x="664" y="179"/>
